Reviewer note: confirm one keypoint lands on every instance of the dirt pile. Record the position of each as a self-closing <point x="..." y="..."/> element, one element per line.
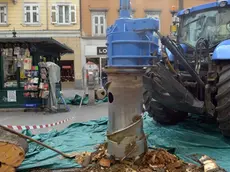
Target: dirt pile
<point x="157" y="160"/>
<point x="154" y="160"/>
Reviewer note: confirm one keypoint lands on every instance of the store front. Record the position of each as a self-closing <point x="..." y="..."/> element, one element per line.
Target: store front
<point x="99" y="59"/>
<point x="96" y="52"/>
<point x="67" y="70"/>
<point x="19" y="76"/>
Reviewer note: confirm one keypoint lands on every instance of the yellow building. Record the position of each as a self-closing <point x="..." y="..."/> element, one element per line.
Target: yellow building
<point x="59" y="19"/>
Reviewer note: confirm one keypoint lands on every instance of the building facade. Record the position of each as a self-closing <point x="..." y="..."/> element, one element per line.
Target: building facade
<point x="59" y="19"/>
<point x="97" y="15"/>
<point x="80" y="24"/>
<point x="191" y="3"/>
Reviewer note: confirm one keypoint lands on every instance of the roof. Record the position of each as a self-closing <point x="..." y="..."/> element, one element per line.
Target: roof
<point x="202" y="7"/>
<point x="46" y="44"/>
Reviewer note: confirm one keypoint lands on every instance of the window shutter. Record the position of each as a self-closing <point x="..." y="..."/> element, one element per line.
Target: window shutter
<point x="25" y="18"/>
<point x="98" y="23"/>
<point x="37" y="12"/>
<point x="5" y="14"/>
<point x="105" y="24"/>
<point x="131" y="14"/>
<point x="101" y="21"/>
<point x="73" y="16"/>
<point x="54" y="15"/>
<point x="155" y="15"/>
<point x="93" y="25"/>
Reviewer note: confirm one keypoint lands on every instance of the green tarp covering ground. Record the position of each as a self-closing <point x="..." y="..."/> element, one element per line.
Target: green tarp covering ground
<point x="186" y="139"/>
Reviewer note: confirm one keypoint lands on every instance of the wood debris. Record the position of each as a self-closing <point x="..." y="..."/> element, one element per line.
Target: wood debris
<point x="83" y="159"/>
<point x="155" y="160"/>
<point x="210" y="165"/>
<point x="104" y="162"/>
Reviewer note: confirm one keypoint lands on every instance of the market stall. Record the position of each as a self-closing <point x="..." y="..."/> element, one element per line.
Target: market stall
<point x="20" y="74"/>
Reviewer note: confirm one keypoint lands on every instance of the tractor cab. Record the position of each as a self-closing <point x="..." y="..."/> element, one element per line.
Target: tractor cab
<point x="208" y="22"/>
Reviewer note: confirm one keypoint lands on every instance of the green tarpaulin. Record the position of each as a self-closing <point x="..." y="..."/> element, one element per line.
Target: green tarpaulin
<point x="186" y="139"/>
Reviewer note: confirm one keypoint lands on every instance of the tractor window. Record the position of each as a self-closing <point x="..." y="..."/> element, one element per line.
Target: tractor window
<point x="213" y="25"/>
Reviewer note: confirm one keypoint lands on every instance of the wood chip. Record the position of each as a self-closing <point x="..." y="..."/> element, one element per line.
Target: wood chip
<point x="105" y="162"/>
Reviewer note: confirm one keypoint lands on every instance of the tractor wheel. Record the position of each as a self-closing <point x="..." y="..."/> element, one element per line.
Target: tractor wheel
<point x="160" y="113"/>
<point x="223" y="100"/>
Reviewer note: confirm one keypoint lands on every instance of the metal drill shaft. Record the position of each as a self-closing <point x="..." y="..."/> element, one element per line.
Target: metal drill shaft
<point x="126" y="137"/>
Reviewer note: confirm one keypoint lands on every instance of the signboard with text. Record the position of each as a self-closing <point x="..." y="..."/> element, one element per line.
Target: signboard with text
<point x="101" y="50"/>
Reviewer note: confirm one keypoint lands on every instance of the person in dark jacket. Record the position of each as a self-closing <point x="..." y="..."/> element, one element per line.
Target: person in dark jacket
<point x="103" y="77"/>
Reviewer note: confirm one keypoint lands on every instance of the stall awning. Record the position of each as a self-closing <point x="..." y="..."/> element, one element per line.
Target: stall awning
<point x="46" y="44"/>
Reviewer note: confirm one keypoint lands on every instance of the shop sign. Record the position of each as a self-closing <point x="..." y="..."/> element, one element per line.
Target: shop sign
<point x="66" y="67"/>
<point x="101" y="50"/>
<point x="27" y="63"/>
<point x="11" y="96"/>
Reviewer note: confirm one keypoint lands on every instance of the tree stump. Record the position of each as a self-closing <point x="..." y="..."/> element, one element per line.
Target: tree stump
<point x="7" y="168"/>
<point x="12" y="151"/>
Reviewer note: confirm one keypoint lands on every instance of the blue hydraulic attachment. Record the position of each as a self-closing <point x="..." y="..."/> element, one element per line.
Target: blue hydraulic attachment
<point x="130" y="42"/>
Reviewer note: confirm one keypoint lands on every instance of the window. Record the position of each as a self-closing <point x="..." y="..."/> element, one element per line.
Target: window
<point x="98" y="24"/>
<point x="31" y="13"/>
<point x="63" y="14"/>
<point x="154" y="14"/>
<point x="3" y="14"/>
<point x="132" y="14"/>
<point x="9" y="68"/>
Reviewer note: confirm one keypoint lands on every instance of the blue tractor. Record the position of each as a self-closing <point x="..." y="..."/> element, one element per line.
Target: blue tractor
<point x="193" y="75"/>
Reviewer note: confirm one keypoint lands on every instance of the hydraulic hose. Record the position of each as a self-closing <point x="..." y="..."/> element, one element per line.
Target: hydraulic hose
<point x="167" y="62"/>
<point x="174" y="50"/>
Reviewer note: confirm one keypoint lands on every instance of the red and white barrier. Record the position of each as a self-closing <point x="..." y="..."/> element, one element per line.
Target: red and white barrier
<point x="32" y="127"/>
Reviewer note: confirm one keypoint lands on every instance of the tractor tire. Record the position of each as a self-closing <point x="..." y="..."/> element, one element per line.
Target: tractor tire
<point x="223" y="100"/>
<point x="160" y="113"/>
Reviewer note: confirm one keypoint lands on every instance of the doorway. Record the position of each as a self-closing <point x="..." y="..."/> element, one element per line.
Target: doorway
<point x="67" y="70"/>
<point x="101" y="62"/>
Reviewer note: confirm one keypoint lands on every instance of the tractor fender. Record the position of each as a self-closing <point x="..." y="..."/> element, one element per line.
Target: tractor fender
<point x="171" y="56"/>
<point x="222" y="51"/>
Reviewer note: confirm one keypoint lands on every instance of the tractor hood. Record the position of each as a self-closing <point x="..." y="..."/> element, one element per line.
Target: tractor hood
<point x="171" y="56"/>
<point x="221" y="3"/>
<point x="222" y="51"/>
